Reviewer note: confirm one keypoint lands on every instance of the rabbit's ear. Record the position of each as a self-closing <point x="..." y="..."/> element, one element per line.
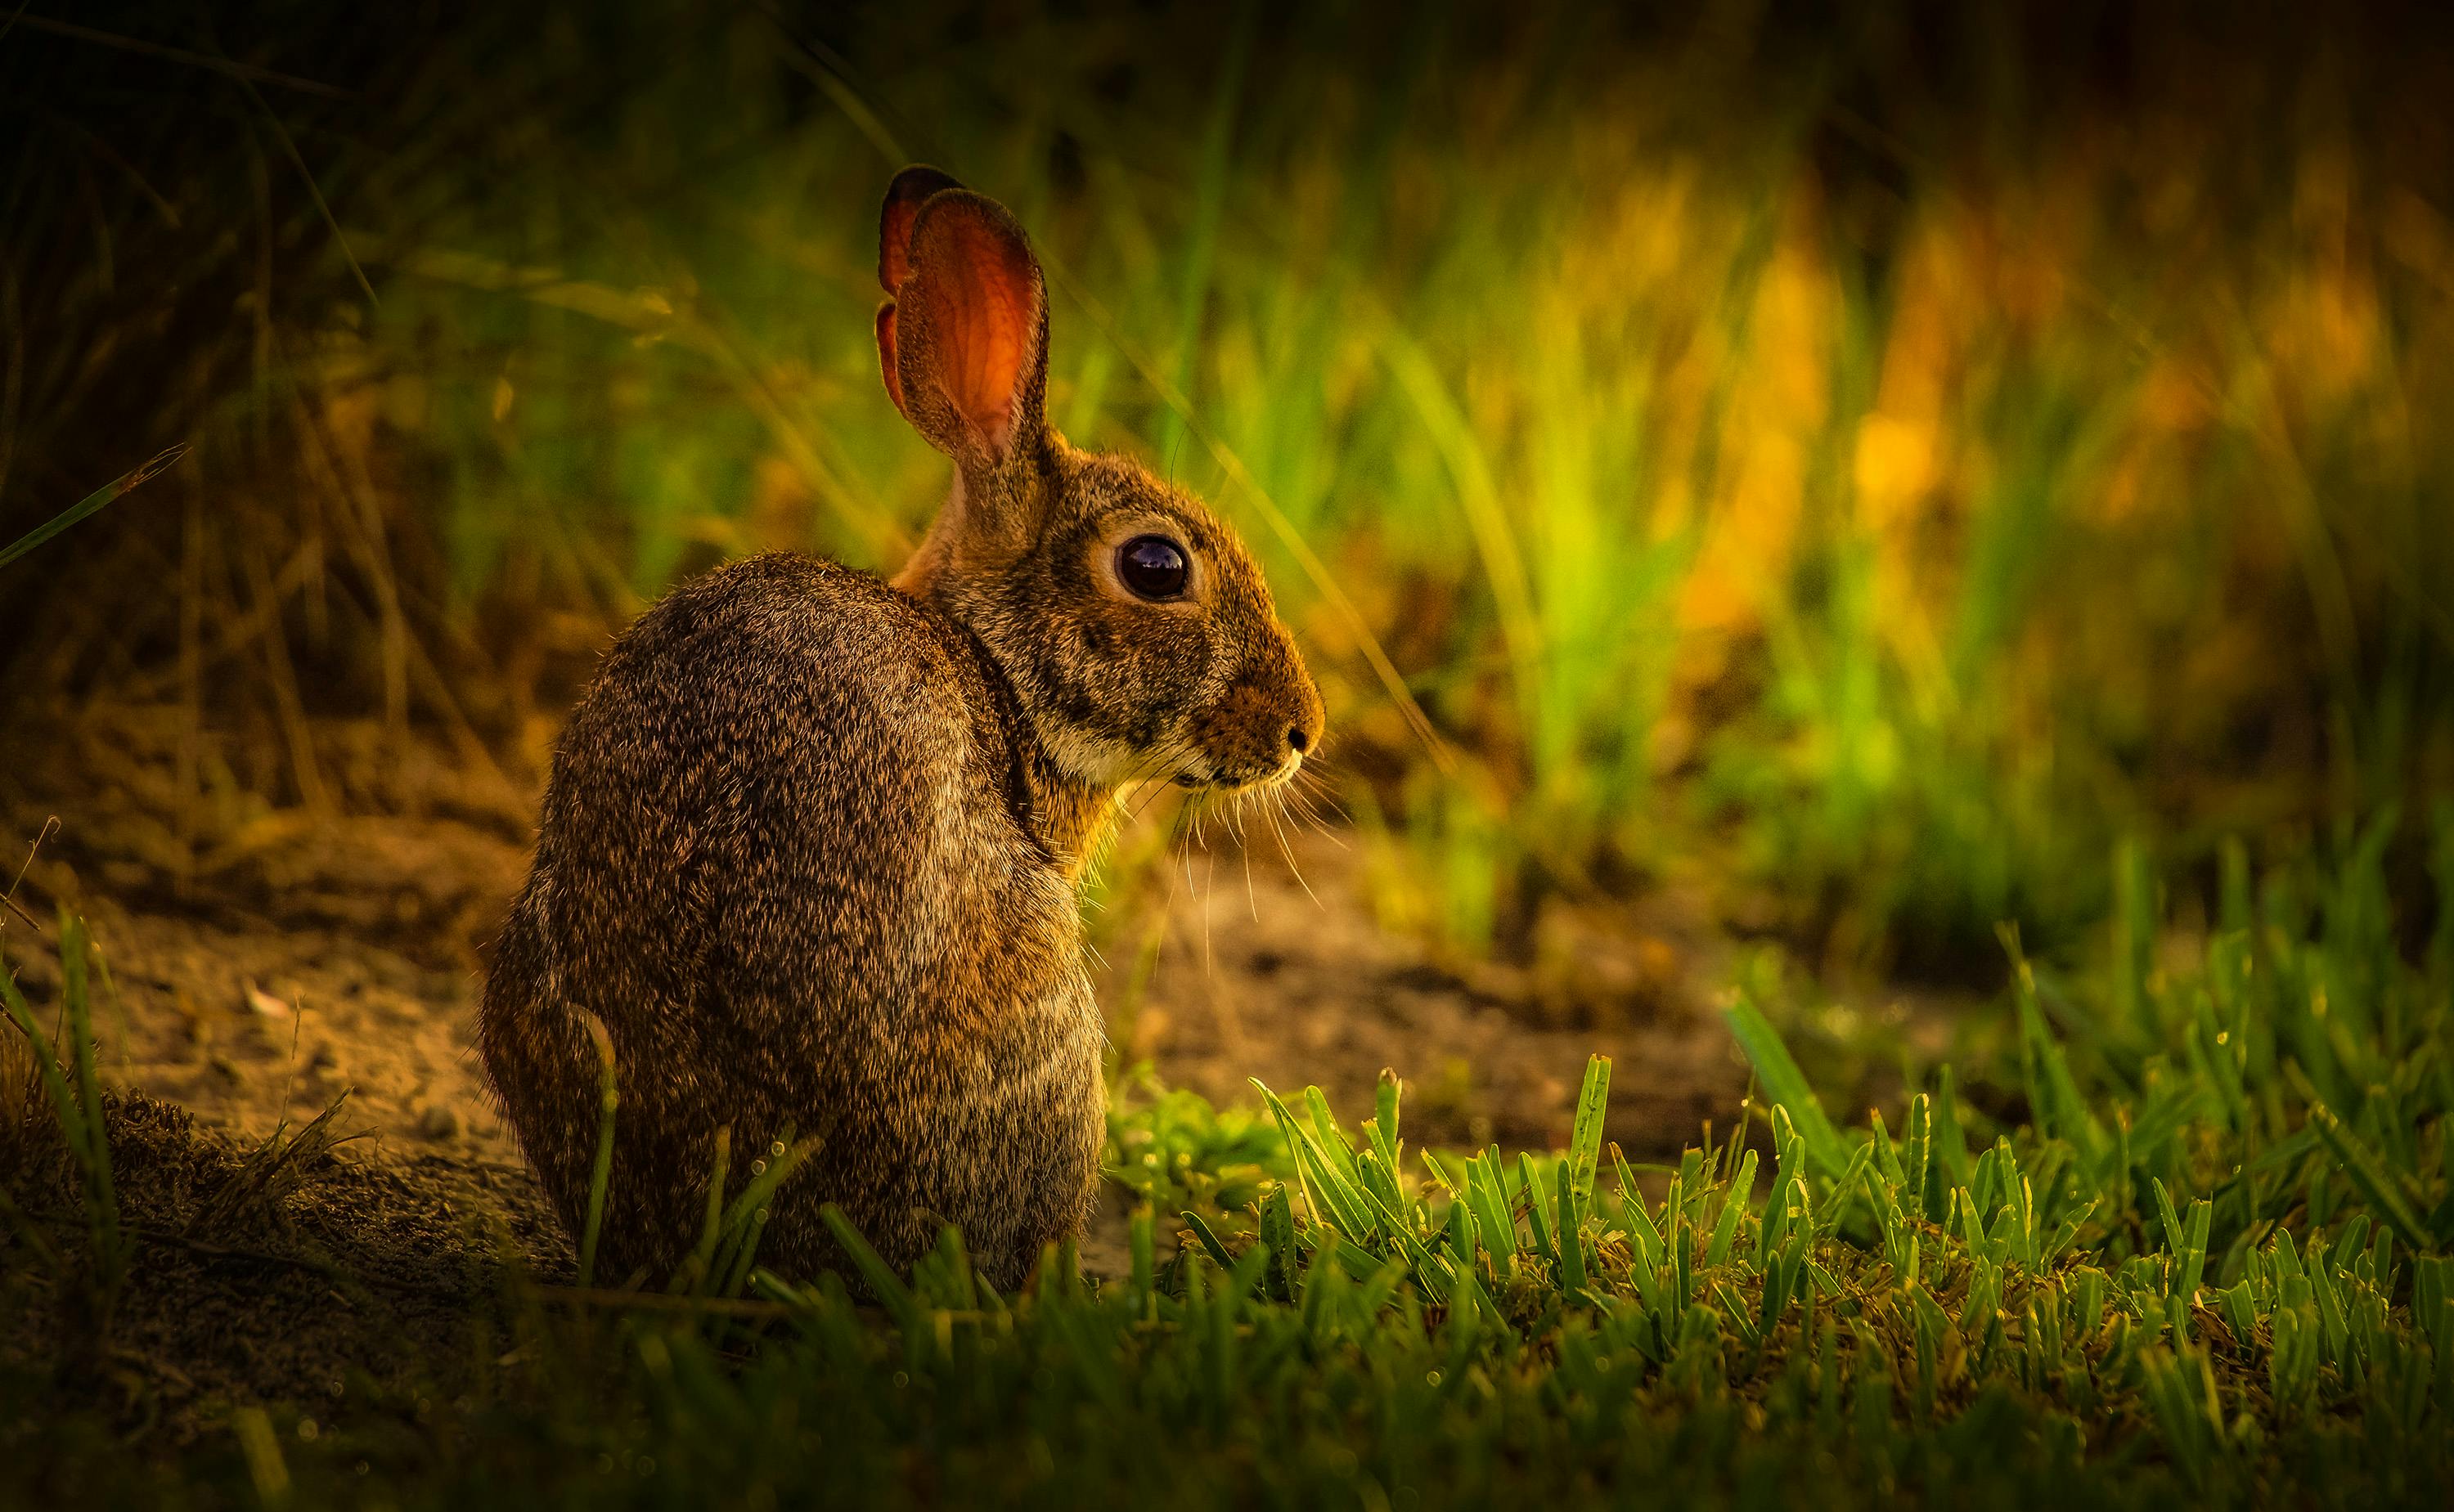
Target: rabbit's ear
<point x="904" y="197"/>
<point x="963" y="346"/>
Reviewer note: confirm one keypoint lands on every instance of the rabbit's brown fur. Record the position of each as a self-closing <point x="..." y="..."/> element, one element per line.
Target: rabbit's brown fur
<point x="810" y="841"/>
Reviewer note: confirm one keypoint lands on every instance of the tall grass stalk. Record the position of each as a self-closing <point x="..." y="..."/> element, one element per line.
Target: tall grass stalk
<point x="74" y="1091"/>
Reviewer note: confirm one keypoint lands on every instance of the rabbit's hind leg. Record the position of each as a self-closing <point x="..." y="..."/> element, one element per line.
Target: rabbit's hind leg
<point x="548" y="1076"/>
<point x="1024" y="1165"/>
<point x="539" y="1062"/>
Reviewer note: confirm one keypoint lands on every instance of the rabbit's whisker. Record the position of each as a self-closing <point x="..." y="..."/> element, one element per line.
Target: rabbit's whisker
<point x="1201" y="909"/>
<point x="1317" y="782"/>
<point x="1312" y="791"/>
<point x="1132" y="793"/>
<point x="1320" y="825"/>
<point x="1151" y="792"/>
<point x="1298" y="796"/>
<point x="1271" y="812"/>
<point x="1162" y="921"/>
<point x="1251" y="901"/>
<point x="1149" y="777"/>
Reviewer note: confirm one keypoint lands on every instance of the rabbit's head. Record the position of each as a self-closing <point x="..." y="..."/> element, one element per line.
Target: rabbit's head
<point x="1137" y="633"/>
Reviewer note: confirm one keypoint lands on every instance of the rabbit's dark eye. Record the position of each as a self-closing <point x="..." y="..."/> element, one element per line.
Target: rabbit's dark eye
<point x="1153" y="567"/>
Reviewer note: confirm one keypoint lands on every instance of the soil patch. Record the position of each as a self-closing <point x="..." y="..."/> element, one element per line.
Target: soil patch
<point x="1272" y="965"/>
<point x="296" y="1269"/>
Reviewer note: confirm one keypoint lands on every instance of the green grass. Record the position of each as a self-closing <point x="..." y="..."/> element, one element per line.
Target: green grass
<point x="72" y="1091"/>
<point x="2209" y="1264"/>
<point x="85" y="509"/>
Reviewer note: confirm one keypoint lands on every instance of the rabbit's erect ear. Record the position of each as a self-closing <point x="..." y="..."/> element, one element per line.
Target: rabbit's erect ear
<point x="904" y="197"/>
<point x="963" y="345"/>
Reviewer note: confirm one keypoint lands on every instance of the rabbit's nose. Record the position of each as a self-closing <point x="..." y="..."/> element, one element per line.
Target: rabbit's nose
<point x="1298" y="739"/>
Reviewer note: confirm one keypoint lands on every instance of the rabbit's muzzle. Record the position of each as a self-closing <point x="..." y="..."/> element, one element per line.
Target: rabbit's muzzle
<point x="1259" y="729"/>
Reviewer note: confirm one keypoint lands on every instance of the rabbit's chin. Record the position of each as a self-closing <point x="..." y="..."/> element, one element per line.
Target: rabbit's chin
<point x="1108" y="764"/>
<point x="1231" y="785"/>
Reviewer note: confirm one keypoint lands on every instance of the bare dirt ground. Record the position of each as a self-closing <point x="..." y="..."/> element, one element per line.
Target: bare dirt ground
<point x="270" y="961"/>
<point x="1280" y="971"/>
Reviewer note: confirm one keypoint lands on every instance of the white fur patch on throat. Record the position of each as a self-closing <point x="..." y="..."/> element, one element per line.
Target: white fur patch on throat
<point x="1092" y="760"/>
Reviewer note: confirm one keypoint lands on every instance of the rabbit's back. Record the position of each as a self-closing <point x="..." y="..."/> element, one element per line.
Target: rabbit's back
<point x="787" y="859"/>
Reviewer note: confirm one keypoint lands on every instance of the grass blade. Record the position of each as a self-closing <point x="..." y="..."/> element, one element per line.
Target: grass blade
<point x="1585" y="1143"/>
<point x="1210" y="1241"/>
<point x="91" y="505"/>
<point x="1333" y="1195"/>
<point x="2369" y="1176"/>
<point x="693" y="1276"/>
<point x="888" y="1288"/>
<point x="1786" y="1083"/>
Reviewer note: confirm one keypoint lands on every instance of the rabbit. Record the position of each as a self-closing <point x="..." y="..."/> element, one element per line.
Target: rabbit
<point x="811" y="840"/>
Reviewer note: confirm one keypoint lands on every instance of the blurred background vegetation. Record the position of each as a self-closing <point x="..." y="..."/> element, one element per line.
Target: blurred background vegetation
<point x="1869" y="463"/>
